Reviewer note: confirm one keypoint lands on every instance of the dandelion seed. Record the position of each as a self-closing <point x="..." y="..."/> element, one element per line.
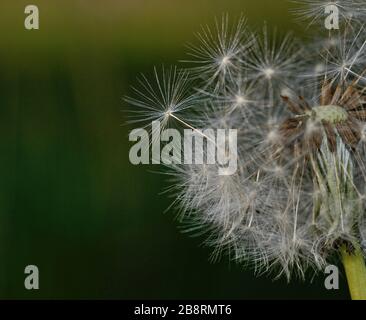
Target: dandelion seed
<point x="271" y="62"/>
<point x="220" y="51"/>
<point x="347" y="57"/>
<point x="167" y="96"/>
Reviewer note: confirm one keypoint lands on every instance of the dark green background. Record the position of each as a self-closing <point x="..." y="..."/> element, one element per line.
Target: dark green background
<point x="70" y="201"/>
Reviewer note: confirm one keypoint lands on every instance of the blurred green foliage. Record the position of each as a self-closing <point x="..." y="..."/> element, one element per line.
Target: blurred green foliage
<point x="70" y="201"/>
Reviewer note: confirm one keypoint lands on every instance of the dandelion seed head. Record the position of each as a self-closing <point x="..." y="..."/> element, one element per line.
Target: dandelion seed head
<point x="300" y="112"/>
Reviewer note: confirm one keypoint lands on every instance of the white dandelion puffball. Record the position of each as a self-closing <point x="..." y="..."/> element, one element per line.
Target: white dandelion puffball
<point x="299" y="191"/>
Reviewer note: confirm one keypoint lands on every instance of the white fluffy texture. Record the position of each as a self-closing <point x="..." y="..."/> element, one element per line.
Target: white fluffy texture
<point x="284" y="213"/>
<point x="313" y="11"/>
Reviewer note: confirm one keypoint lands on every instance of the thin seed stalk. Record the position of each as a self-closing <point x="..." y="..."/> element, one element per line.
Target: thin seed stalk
<point x="354" y="265"/>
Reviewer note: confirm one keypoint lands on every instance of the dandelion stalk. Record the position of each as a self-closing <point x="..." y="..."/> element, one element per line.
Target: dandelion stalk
<point x="354" y="264"/>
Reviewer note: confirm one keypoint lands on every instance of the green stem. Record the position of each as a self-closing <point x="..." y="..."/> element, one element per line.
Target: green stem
<point x="354" y="265"/>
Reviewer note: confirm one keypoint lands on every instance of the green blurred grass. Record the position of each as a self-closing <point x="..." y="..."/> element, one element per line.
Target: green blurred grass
<point x="70" y="201"/>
